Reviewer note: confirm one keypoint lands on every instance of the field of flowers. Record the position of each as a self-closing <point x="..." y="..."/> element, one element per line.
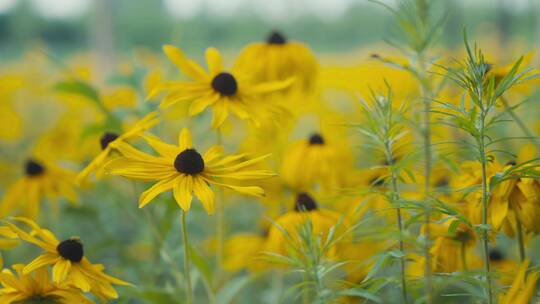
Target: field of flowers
<point x="402" y="173"/>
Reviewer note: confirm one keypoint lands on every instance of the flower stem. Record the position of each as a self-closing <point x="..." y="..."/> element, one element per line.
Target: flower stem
<point x="220" y="224"/>
<point x="520" y="123"/>
<point x="520" y="240"/>
<point x="464" y="256"/>
<point x="189" y="290"/>
<point x="485" y="239"/>
<point x="396" y="199"/>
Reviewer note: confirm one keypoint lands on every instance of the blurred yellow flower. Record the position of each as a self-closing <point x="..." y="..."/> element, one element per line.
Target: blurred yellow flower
<point x="24" y="287"/>
<point x="279" y="59"/>
<point x="42" y="179"/>
<point x="224" y="91"/>
<point x="108" y="144"/>
<point x="523" y="287"/>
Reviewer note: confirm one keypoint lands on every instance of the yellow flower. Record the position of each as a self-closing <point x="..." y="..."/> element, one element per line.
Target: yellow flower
<point x="452" y="251"/>
<point x="120" y="96"/>
<point x="504" y="267"/>
<point x="279" y="59"/>
<point x="42" y="179"/>
<point x="184" y="170"/>
<point x="108" y="144"/>
<point x="242" y="252"/>
<point x="315" y="161"/>
<point x="24" y="287"/>
<point x="523" y="287"/>
<point x="67" y="260"/>
<point x="283" y="235"/>
<point x="222" y="90"/>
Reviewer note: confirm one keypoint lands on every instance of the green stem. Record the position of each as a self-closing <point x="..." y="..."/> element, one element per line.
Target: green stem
<point x="396" y="199"/>
<point x="189" y="289"/>
<point x="520" y="123"/>
<point x="485" y="239"/>
<point x="520" y="240"/>
<point x="220" y="225"/>
<point x="464" y="256"/>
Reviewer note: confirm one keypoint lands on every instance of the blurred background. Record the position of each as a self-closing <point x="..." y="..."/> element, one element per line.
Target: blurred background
<point x="116" y="26"/>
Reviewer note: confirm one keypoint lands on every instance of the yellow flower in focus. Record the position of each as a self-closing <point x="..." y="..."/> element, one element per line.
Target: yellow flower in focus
<point x="184" y="170"/>
<point x="279" y="59"/>
<point x="36" y="287"/>
<point x="523" y="287"/>
<point x="315" y="161"/>
<point x="306" y="209"/>
<point x="108" y="144"/>
<point x="42" y="179"/>
<point x="219" y="89"/>
<point x="68" y="261"/>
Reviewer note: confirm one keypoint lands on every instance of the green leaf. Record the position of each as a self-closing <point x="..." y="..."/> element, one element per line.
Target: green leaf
<point x="78" y="87"/>
<point x="229" y="291"/>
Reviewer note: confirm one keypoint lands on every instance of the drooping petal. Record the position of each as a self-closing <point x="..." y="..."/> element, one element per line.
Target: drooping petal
<point x="158" y="188"/>
<point x="183" y="191"/>
<point x="204" y="193"/>
<point x="61" y="270"/>
<point x="248" y="190"/>
<point x="41" y="261"/>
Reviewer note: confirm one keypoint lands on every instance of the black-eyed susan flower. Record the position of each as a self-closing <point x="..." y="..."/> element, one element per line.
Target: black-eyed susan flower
<point x="224" y="91"/>
<point x="523" y="287"/>
<point x="315" y="162"/>
<point x="69" y="264"/>
<point x="452" y="251"/>
<point x="36" y="287"/>
<point x="283" y="235"/>
<point x="278" y="58"/>
<point x="108" y="142"/>
<point x="42" y="179"/>
<point x="185" y="171"/>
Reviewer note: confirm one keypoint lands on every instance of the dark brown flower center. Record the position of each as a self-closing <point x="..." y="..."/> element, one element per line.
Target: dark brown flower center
<point x="33" y="168"/>
<point x="316" y="139"/>
<point x="71" y="249"/>
<point x="107" y="138"/>
<point x="276" y="37"/>
<point x="304" y="202"/>
<point x="495" y="255"/>
<point x="189" y="162"/>
<point x="225" y="84"/>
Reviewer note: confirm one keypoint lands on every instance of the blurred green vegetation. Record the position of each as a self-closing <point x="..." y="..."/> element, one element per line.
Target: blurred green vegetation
<point x="147" y="23"/>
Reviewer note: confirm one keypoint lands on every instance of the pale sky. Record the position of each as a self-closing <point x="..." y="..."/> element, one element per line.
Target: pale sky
<point x="268" y="9"/>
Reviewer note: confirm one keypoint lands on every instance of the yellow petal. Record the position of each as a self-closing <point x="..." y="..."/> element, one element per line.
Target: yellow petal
<point x="184" y="140"/>
<point x="183" y="189"/>
<point x="61" y="270"/>
<point x="204" y="193"/>
<point x="155" y="190"/>
<point x="41" y="261"/>
<point x="187" y="66"/>
<point x="213" y="59"/>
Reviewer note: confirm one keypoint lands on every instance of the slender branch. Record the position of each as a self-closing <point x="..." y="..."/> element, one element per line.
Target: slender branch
<point x="520" y="123"/>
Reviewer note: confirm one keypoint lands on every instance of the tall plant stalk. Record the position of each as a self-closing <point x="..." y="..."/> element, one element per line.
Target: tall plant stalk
<point x="485" y="200"/>
<point x="220" y="224"/>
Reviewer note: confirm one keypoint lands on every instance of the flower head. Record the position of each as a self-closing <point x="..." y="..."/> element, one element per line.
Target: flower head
<point x="109" y="140"/>
<point x="185" y="171"/>
<point x="223" y="90"/>
<point x="21" y="287"/>
<point x="68" y="261"/>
